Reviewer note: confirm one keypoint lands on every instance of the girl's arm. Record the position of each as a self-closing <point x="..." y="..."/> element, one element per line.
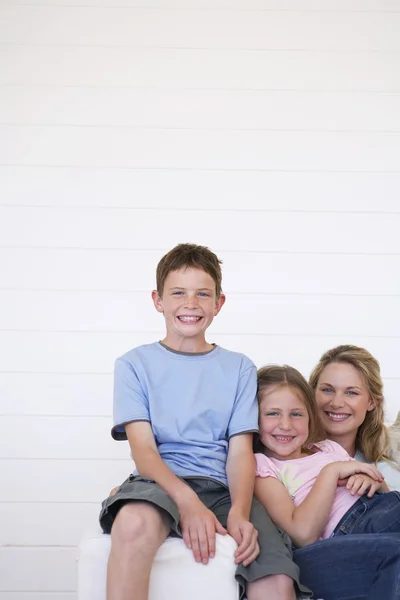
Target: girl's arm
<point x="306" y="522"/>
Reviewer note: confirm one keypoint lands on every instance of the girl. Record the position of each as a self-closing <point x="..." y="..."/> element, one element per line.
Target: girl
<point x="301" y="480"/>
<point x="349" y="393"/>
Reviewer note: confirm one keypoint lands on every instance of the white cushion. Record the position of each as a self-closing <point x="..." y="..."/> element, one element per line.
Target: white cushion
<point x="174" y="576"/>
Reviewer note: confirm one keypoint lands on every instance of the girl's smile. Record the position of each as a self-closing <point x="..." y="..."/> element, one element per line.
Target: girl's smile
<point x="283" y="423"/>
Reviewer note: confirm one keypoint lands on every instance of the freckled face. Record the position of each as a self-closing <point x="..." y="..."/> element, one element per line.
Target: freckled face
<point x="188" y="302"/>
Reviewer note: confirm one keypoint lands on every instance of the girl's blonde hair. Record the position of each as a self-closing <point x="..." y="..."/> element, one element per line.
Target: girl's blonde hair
<point x="372" y="437"/>
<point x="276" y="376"/>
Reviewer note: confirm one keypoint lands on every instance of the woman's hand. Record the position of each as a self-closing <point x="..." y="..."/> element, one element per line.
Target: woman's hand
<point x="345" y="469"/>
<point x="361" y="483"/>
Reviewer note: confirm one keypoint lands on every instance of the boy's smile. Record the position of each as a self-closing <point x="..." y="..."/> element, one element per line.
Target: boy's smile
<point x="189" y="305"/>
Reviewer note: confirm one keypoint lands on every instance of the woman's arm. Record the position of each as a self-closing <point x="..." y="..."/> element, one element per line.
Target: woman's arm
<point x="306" y="522"/>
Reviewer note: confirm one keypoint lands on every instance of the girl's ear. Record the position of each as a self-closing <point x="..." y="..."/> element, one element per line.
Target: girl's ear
<point x="371" y="404"/>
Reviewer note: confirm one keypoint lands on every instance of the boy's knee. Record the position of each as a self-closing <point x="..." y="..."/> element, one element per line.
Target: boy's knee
<point x="137" y="522"/>
<point x="283" y="583"/>
<point x="276" y="586"/>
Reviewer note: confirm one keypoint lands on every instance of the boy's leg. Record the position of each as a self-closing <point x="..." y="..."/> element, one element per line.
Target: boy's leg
<point x="139" y="516"/>
<point x="138" y="531"/>
<point x="273" y="573"/>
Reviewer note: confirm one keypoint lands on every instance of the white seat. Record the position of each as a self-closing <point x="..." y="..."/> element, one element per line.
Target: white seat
<point x="175" y="574"/>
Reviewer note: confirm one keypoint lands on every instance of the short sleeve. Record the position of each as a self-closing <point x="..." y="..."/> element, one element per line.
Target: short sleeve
<point x="264" y="467"/>
<point x="244" y="417"/>
<point x="130" y="401"/>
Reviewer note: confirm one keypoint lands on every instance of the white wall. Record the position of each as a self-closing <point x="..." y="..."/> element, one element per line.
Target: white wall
<point x="266" y="129"/>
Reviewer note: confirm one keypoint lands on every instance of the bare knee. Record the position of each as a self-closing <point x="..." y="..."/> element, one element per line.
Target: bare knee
<point x="281" y="586"/>
<point x="139" y="522"/>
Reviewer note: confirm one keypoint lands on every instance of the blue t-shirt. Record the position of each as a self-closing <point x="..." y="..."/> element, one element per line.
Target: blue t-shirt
<point x="194" y="402"/>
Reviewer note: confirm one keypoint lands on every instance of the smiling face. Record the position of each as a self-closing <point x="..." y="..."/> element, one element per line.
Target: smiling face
<point x="283" y="423"/>
<point x="343" y="401"/>
<point x="189" y="305"/>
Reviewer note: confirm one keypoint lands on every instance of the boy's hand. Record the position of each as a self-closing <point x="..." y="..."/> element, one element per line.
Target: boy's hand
<point x="199" y="526"/>
<point x="245" y="535"/>
<point x="360" y="483"/>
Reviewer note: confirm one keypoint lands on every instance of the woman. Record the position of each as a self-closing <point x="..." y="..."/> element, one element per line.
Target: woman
<point x="349" y="392"/>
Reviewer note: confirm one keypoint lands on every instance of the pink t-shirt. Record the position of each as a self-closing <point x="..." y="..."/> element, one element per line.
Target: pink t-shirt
<point x="299" y="475"/>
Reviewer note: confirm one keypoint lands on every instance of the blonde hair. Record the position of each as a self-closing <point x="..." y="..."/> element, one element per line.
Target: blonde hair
<point x="284" y="376"/>
<point x="372" y="438"/>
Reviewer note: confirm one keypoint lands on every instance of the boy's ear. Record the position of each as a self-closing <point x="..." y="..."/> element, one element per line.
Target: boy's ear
<point x="219" y="304"/>
<point x="157" y="301"/>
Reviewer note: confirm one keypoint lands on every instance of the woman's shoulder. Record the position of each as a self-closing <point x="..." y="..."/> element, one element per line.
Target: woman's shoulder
<point x="391" y="473"/>
<point x="389" y="469"/>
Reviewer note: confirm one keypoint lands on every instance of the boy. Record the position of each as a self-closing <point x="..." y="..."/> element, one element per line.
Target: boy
<point x="189" y="411"/>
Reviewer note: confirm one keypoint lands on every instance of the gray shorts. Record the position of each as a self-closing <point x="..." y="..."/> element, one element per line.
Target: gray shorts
<point x="275" y="546"/>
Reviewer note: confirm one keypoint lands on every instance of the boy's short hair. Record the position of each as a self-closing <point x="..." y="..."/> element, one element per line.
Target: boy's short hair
<point x="189" y="255"/>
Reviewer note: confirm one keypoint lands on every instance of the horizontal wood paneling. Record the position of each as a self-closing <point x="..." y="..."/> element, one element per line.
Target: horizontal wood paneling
<point x="116" y="147"/>
<point x="38" y="595"/>
<point x="73" y="481"/>
<point x="211" y="190"/>
<point x="268" y="130"/>
<point x="47" y="569"/>
<point x="327" y="5"/>
<point x="296" y="30"/>
<point x="123" y="229"/>
<point x="220" y="69"/>
<point x="46" y="524"/>
<point x="91" y="395"/>
<point x="208" y="109"/>
<point x="56" y="394"/>
<point x="59" y="437"/>
<point x="243" y="272"/>
<point x="67" y="352"/>
<point x="316" y="314"/>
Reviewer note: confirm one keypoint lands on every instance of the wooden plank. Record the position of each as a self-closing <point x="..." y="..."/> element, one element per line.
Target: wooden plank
<point x="44" y="569"/>
<point x="60" y="437"/>
<point x="265" y="150"/>
<point x="72" y="481"/>
<point x="125" y="229"/>
<point x="56" y="394"/>
<point x="212" y="190"/>
<point x="46" y="524"/>
<point x="267" y="5"/>
<point x="199" y="109"/>
<point x="218" y="69"/>
<point x="106" y="26"/>
<point x="38" y="596"/>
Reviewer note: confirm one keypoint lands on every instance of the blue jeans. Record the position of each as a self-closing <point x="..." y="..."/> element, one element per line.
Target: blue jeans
<point x="379" y="514"/>
<point x="352" y="567"/>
